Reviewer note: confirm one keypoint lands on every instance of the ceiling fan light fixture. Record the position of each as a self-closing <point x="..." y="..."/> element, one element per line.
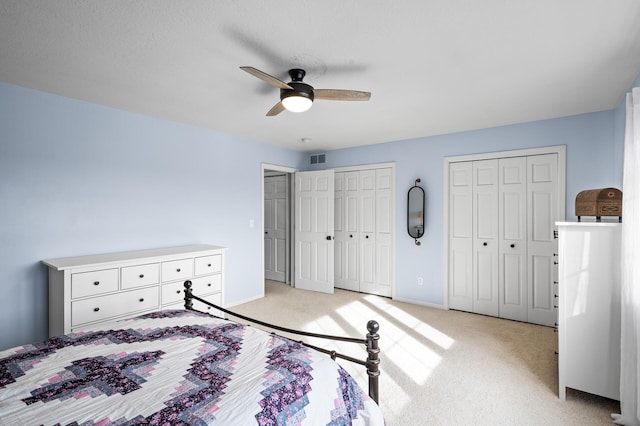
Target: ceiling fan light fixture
<point x="296" y="103"/>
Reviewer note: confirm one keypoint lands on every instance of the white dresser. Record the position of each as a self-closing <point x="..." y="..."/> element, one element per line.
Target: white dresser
<point x="589" y="308"/>
<point x="86" y="290"/>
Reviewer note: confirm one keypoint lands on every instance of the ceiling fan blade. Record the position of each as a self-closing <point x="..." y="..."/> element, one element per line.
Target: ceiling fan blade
<point x="277" y="109"/>
<point x="266" y="77"/>
<point x="341" y="95"/>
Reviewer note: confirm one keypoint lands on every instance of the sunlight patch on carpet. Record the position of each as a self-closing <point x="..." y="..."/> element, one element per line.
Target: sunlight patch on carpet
<point x="408" y="353"/>
<point x="434" y="335"/>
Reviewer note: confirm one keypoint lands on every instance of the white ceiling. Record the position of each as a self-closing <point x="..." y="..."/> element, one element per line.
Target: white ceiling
<point x="432" y="66"/>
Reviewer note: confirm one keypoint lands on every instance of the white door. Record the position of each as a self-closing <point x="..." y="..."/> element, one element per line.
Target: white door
<point x="542" y="194"/>
<point x="367" y="217"/>
<point x="314" y="230"/>
<point x="347" y="234"/>
<point x="384" y="232"/>
<point x="339" y="240"/>
<point x="513" y="238"/>
<point x="461" y="236"/>
<point x="485" y="237"/>
<point x="275" y="227"/>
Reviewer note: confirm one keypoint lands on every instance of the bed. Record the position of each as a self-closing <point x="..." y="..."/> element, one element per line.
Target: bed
<point x="184" y="367"/>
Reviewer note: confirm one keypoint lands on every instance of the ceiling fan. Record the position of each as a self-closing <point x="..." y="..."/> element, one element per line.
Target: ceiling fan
<point x="297" y="96"/>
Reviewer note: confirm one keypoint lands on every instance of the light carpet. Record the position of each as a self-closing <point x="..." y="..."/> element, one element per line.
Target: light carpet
<point x="441" y="367"/>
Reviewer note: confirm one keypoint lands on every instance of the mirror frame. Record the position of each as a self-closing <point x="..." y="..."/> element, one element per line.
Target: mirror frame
<point x="415" y="212"/>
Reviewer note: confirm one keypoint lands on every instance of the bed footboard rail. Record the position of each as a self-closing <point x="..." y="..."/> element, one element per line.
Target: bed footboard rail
<point x="372" y="362"/>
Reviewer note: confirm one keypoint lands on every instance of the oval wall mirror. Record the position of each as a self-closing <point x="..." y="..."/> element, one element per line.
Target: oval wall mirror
<point x="415" y="212"/>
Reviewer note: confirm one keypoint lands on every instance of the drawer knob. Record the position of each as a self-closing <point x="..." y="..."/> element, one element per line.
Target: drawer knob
<point x="96" y="283"/>
<point x="485" y="244"/>
<point x="208" y="265"/>
<point x="141" y="275"/>
<point x="208" y="284"/>
<point x="512" y="245"/>
<point x="178" y="291"/>
<point x="142" y="299"/>
<point x="178" y="270"/>
<point x="96" y="309"/>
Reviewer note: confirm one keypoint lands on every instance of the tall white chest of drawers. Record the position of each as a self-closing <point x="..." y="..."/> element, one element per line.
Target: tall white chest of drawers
<point x="589" y="277"/>
<point x="88" y="290"/>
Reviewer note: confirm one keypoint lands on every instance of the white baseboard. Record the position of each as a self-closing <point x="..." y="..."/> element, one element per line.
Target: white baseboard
<point x="416" y="302"/>
<point x="240" y="302"/>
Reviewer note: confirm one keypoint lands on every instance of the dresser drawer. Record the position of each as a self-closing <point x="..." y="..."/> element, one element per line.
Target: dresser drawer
<point x="173" y="293"/>
<point x="206" y="285"/>
<point x="216" y="299"/>
<point x="93" y="283"/>
<point x="177" y="270"/>
<point x="208" y="264"/>
<point x="112" y="305"/>
<point x="140" y="275"/>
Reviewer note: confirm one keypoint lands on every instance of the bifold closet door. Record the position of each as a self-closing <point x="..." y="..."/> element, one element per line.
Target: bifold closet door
<point x="501" y="247"/>
<point x="364" y="205"/>
<point x="512" y="217"/>
<point x="485" y="237"/>
<point x="461" y="236"/>
<point x="347" y="234"/>
<point x="542" y="198"/>
<point x="367" y="220"/>
<point x="384" y="232"/>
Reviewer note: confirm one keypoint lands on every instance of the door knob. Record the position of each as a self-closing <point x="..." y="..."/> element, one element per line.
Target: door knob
<point x="328" y="237"/>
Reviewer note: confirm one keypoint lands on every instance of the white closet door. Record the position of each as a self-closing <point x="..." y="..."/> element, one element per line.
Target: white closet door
<point x="314" y="231"/>
<point x="352" y="235"/>
<point x="367" y="202"/>
<point x="513" y="238"/>
<point x="461" y="236"/>
<point x="542" y="194"/>
<point x="275" y="227"/>
<point x="347" y="260"/>
<point x="384" y="232"/>
<point x="485" y="239"/>
<point x="339" y="226"/>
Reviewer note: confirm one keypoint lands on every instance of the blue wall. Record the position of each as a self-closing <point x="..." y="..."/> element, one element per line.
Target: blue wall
<point x="78" y="178"/>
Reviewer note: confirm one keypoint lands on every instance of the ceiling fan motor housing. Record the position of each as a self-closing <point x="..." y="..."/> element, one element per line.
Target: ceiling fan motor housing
<point x="299" y="89"/>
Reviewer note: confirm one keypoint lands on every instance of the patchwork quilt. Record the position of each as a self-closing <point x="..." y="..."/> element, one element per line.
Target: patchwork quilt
<point x="177" y="367"/>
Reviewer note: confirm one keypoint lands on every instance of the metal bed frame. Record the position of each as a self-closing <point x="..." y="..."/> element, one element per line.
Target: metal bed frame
<point x="372" y="362"/>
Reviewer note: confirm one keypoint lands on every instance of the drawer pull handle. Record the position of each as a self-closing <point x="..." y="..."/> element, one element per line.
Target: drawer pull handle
<point x="141" y="275"/>
<point x="178" y="270"/>
<point x="142" y="299"/>
<point x="96" y="283"/>
<point x="178" y="291"/>
<point x="96" y="309"/>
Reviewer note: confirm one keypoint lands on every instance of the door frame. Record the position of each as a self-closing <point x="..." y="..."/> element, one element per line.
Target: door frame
<point x="289" y="171"/>
<point x="560" y="150"/>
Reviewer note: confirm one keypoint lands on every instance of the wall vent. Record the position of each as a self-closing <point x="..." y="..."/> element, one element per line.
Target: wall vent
<point x="317" y="159"/>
